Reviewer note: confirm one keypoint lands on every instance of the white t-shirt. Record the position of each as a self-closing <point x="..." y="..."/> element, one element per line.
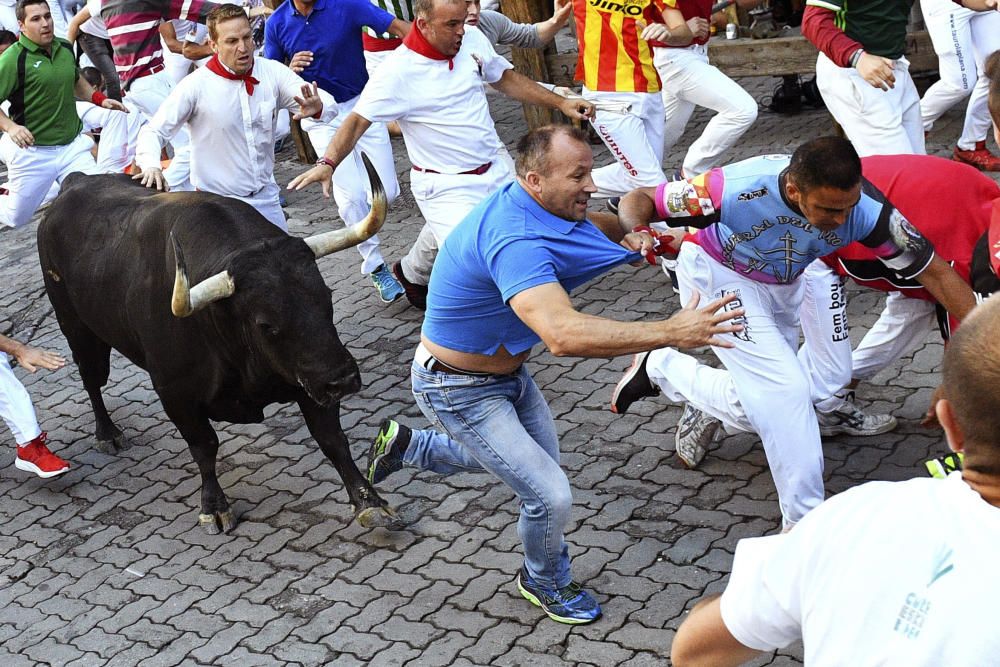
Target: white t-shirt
<point x="441" y="110"/>
<point x="887" y="573"/>
<point x="232" y="133"/>
<point x="95" y="24"/>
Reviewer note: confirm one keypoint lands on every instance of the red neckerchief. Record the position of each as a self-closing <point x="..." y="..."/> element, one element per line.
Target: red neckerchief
<point x="216" y="66"/>
<point x="415" y="41"/>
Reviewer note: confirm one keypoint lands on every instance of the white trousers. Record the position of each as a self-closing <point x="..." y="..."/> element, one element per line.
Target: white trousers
<point x="764" y="387"/>
<point x="635" y="140"/>
<point x="119" y="134"/>
<point x="690" y="81"/>
<point x="147" y="94"/>
<point x="267" y="203"/>
<point x="877" y="122"/>
<point x="34" y="174"/>
<point x="962" y="40"/>
<point x="444" y="201"/>
<point x="351" y="189"/>
<point x="15" y="405"/>
<point x="826" y="354"/>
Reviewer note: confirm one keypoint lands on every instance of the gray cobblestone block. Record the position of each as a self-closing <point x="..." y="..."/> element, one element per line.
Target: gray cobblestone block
<point x="9" y="659"/>
<point x="222" y="596"/>
<point x="370" y="565"/>
<point x="519" y="655"/>
<point x="201" y="577"/>
<point x="323" y="622"/>
<point x="272" y="586"/>
<point x="508" y="562"/>
<point x="193" y="620"/>
<point x="153" y="586"/>
<point x="273" y="632"/>
<point x="482" y="587"/>
<point x="361" y="645"/>
<point x="103" y="643"/>
<point x="308" y="655"/>
<point x="241" y="657"/>
<point x="256" y="615"/>
<point x="495" y="642"/>
<point x="222" y="642"/>
<point x="390" y="581"/>
<point x="469" y="623"/>
<point x="156" y="635"/>
<point x="429" y="599"/>
<point x="638" y="637"/>
<point x="51" y="652"/>
<point x="398" y="629"/>
<point x="87" y="660"/>
<point x="580" y="650"/>
<point x="131" y="656"/>
<point x="377" y="610"/>
<point x="129" y="614"/>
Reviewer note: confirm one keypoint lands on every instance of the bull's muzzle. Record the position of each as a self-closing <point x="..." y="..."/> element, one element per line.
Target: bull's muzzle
<point x="335" y="241"/>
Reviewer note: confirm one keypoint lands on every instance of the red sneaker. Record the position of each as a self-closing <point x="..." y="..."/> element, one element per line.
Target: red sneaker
<point x="35" y="457"/>
<point x="979" y="157"/>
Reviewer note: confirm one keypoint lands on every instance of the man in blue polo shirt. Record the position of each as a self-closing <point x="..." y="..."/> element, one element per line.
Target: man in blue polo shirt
<point x="321" y="41"/>
<point x="499" y="286"/>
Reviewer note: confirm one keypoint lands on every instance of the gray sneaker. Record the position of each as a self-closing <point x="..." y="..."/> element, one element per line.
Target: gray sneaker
<point x="850" y="419"/>
<point x="696" y="431"/>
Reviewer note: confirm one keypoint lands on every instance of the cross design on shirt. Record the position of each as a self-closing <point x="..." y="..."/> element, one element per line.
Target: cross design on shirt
<point x="787" y="255"/>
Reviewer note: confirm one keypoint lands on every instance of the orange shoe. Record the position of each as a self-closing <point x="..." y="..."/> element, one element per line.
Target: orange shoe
<point x="35" y="457"/>
<point x="979" y="157"/>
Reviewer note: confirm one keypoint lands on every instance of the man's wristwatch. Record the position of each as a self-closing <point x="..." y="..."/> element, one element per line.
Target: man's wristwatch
<point x="328" y="162"/>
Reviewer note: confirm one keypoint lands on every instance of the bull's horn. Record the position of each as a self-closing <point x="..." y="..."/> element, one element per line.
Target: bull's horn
<point x="189" y="300"/>
<point x="331" y="242"/>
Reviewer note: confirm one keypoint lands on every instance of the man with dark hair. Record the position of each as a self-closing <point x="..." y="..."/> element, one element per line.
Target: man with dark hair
<point x="500" y="286"/>
<point x="218" y="103"/>
<point x="761" y="223"/>
<point x="435" y="86"/>
<point x="42" y="134"/>
<point x="7" y="39"/>
<point x="888" y="572"/>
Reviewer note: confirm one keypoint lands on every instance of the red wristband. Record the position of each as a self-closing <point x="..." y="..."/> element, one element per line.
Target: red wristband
<point x="98" y="98"/>
<point x="328" y="162"/>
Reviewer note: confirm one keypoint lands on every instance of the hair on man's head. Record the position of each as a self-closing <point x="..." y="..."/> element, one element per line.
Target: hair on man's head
<point x="828" y="162"/>
<point x="221" y="14"/>
<point x="21" y="8"/>
<point x="971" y="383"/>
<point x="534" y="148"/>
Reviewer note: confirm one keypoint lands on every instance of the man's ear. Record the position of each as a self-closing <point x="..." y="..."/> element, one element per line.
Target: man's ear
<point x="952" y="431"/>
<point x="792" y="191"/>
<point x="533" y="181"/>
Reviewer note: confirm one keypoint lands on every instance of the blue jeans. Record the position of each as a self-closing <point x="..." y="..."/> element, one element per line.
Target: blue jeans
<point x="500" y="424"/>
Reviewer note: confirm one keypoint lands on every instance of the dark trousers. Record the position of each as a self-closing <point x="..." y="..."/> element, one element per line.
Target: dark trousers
<point x="99" y="52"/>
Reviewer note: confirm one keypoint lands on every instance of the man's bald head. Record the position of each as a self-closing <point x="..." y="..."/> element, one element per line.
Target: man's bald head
<point x="425" y="8"/>
<point x="972" y="386"/>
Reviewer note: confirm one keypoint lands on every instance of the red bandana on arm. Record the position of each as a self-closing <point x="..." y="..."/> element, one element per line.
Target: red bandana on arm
<point x="416" y="41"/>
<point x="217" y="67"/>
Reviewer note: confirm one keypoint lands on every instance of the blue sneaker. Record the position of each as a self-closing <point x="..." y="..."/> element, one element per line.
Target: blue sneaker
<point x="386" y="454"/>
<point x="570" y="604"/>
<point x="386" y="285"/>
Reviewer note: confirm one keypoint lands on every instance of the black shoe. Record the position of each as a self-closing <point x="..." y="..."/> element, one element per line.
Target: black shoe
<point x="612" y="204"/>
<point x="635" y="384"/>
<point x="386" y="455"/>
<point x="415" y="294"/>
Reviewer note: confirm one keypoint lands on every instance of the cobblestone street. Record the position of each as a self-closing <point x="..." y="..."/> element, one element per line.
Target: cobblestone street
<point x="105" y="565"/>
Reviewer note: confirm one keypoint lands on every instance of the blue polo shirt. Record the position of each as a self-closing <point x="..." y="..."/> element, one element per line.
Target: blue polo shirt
<point x="332" y="31"/>
<point x="508" y="244"/>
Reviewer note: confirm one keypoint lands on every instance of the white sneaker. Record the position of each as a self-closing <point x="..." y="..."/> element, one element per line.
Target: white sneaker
<point x="696" y="431"/>
<point x="850" y="419"/>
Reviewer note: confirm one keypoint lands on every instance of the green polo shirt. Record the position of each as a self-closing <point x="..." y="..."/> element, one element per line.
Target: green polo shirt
<point x="40" y="90"/>
<point x="878" y="25"/>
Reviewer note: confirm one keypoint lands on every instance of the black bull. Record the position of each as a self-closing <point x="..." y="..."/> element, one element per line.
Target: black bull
<point x="257" y="329"/>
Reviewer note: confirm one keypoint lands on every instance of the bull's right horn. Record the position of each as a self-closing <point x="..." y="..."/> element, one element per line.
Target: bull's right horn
<point x="187" y="301"/>
<point x="331" y="242"/>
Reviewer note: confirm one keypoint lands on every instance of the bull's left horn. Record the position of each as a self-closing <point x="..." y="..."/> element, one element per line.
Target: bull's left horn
<point x="331" y="242"/>
<point x="189" y="300"/>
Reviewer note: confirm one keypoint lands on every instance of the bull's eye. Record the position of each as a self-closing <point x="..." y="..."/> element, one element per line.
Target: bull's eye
<point x="269" y="330"/>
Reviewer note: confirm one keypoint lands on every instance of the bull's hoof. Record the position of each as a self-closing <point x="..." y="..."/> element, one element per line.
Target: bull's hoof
<point x="380" y="517"/>
<point x="220" y="522"/>
<point x="111" y="445"/>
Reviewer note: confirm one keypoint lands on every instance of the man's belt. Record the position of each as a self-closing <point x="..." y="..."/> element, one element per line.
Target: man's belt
<point x="149" y="70"/>
<point x="478" y="171"/>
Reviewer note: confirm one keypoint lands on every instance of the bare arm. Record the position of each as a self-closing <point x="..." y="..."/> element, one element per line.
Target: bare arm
<point x="981" y="5"/>
<point x="341" y="145"/>
<point x="704" y="640"/>
<point x="31" y="358"/>
<point x="84" y="91"/>
<point x="523" y="89"/>
<point x="947" y="287"/>
<point x="193" y="51"/>
<point x="73" y="28"/>
<point x="637" y="208"/>
<point x="546" y="30"/>
<point x="675" y="31"/>
<point x="400" y="28"/>
<point x="169" y="35"/>
<point x="567" y="332"/>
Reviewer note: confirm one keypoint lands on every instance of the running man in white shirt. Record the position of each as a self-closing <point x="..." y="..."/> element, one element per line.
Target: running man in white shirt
<point x="900" y="573"/>
<point x="230" y="107"/>
<point x="433" y="85"/>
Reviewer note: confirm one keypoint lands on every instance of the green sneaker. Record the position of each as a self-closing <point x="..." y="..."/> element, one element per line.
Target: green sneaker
<point x="386" y="455"/>
<point x="942" y="466"/>
<point x="569" y="604"/>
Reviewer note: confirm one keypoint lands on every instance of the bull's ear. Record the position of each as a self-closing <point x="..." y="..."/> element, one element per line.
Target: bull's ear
<point x="189" y="300"/>
<point x="331" y="242"/>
